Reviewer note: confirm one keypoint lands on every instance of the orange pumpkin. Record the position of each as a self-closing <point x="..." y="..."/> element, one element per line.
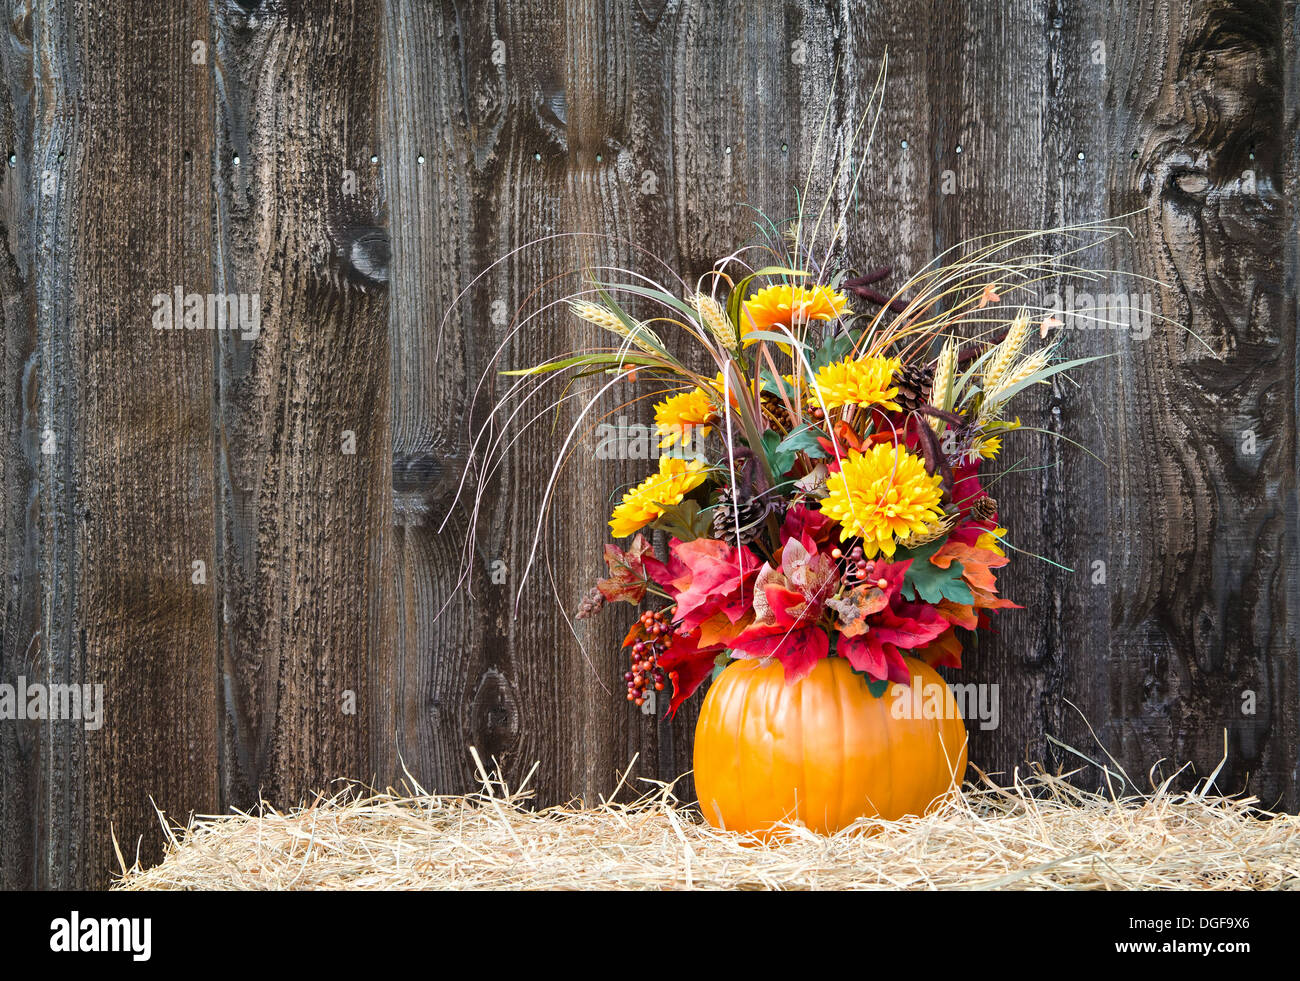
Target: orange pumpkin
<point x="823" y="750"/>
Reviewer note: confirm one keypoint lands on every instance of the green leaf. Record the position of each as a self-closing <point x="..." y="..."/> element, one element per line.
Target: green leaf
<point x="803" y="440"/>
<point x="832" y="349"/>
<point x="779" y="460"/>
<point x="927" y="581"/>
<point x="684" y="520"/>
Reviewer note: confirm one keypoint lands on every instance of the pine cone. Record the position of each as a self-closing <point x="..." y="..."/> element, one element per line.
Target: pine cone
<point x="749" y="512"/>
<point x="914" y="382"/>
<point x="775" y="411"/>
<point x="984" y="509"/>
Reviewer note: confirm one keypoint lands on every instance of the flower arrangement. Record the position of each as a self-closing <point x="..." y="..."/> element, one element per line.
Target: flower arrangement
<point x="820" y="484"/>
<point x="821" y="491"/>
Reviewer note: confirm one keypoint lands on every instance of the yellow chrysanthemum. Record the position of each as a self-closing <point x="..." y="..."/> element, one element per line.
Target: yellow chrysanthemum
<point x="990" y="447"/>
<point x="677" y="418"/>
<point x="790" y="306"/>
<point x="861" y="381"/>
<point x="991" y="540"/>
<point x="881" y="495"/>
<point x="648" y="500"/>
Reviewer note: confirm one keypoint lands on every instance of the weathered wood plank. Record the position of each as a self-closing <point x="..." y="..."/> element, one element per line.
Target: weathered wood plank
<point x="121" y="418"/>
<point x="755" y="107"/>
<point x="1003" y="143"/>
<point x="1203" y="524"/>
<point x="19" y="454"/>
<point x="302" y="444"/>
<point x="442" y="111"/>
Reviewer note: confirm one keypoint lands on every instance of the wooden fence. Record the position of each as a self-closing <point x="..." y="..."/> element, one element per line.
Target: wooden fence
<point x="237" y="536"/>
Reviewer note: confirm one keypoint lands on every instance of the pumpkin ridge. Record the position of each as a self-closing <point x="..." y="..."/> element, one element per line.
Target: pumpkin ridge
<point x="736" y="729"/>
<point x="885" y="714"/>
<point x="841" y="697"/>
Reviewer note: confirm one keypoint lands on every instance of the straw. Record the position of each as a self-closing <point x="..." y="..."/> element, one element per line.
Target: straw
<point x="1040" y="832"/>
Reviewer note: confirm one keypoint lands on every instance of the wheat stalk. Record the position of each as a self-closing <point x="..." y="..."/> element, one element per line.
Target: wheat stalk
<point x="945" y="373"/>
<point x="994" y="400"/>
<point x="1007" y="353"/>
<point x="714" y="317"/>
<point x="605" y="318"/>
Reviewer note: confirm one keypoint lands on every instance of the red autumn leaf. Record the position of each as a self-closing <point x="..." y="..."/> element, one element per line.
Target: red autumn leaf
<point x="627" y="575"/>
<point x="909" y="625"/>
<point x="691" y="663"/>
<point x="877" y="658"/>
<point x="797" y="649"/>
<point x="716" y="577"/>
<point x="811" y="528"/>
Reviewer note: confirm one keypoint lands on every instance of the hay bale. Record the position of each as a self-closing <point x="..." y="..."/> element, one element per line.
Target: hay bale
<point x="1038" y="833"/>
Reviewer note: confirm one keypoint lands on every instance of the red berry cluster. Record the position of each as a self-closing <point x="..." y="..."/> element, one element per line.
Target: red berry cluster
<point x="656" y="632"/>
<point x="857" y="567"/>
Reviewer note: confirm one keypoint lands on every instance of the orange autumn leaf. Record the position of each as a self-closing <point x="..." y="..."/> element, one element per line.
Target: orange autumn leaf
<point x="987" y="599"/>
<point x="944" y="650"/>
<point x="958" y="614"/>
<point x="976" y="563"/>
<point x="847" y="434"/>
<point x="967" y="555"/>
<point x="719" y="630"/>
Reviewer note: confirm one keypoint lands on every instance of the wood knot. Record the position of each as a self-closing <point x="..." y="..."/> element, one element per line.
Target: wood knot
<point x="366" y="254"/>
<point x="493" y="715"/>
<point x="419" y="480"/>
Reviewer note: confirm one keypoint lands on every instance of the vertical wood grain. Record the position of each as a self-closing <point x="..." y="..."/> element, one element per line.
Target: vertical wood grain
<point x="1205" y="609"/>
<point x="118" y="430"/>
<point x="305" y="562"/>
<point x="19" y="453"/>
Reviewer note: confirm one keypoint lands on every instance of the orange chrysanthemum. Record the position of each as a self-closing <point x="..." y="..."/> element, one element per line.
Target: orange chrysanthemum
<point x="881" y="495"/>
<point x="791" y="306"/>
<point x="677" y="418"/>
<point x="650" y="498"/>
<point x="862" y="381"/>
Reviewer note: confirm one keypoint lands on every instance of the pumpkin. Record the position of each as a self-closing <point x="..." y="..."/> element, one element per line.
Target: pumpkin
<point x="824" y="750"/>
